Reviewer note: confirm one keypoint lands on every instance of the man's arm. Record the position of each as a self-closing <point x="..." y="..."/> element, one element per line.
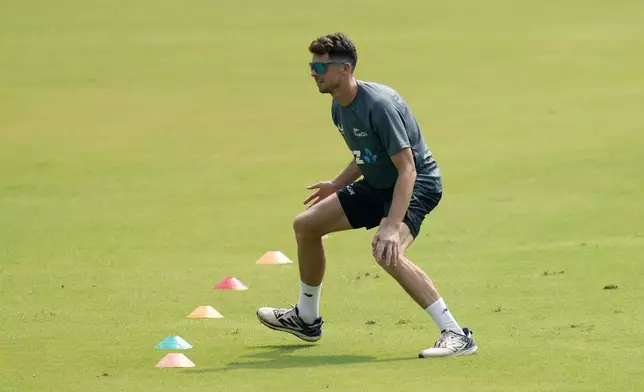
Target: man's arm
<point x="404" y="162"/>
<point x="386" y="243"/>
<point x="390" y="126"/>
<point x="351" y="173"/>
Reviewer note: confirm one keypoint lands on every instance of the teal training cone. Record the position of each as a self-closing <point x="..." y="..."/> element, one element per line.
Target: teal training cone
<point x="173" y="343"/>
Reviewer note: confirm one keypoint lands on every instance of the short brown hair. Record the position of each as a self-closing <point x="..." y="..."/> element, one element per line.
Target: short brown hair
<point x="338" y="46"/>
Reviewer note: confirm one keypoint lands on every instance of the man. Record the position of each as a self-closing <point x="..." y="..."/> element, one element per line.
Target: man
<point x="401" y="185"/>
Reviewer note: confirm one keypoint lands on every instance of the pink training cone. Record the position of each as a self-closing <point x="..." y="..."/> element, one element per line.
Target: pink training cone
<point x="205" y="312"/>
<point x="273" y="257"/>
<point x="230" y="283"/>
<point x="175" y="360"/>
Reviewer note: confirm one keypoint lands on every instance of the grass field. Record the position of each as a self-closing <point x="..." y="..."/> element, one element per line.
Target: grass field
<point x="150" y="148"/>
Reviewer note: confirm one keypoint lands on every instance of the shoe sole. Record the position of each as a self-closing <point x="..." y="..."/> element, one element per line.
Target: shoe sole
<point x="469" y="351"/>
<point x="306" y="338"/>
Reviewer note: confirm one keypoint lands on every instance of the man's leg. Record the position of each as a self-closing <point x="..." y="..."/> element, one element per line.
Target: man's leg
<point x="454" y="341"/>
<point x="420" y="286"/>
<point x="309" y="227"/>
<point x="304" y="320"/>
<point x="355" y="206"/>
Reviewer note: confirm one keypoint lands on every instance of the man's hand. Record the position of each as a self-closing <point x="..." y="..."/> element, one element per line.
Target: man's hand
<point x="386" y="243"/>
<point x="324" y="189"/>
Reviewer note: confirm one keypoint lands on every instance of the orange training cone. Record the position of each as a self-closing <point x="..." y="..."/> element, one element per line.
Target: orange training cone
<point x="230" y="283"/>
<point x="205" y="312"/>
<point x="175" y="360"/>
<point x="273" y="257"/>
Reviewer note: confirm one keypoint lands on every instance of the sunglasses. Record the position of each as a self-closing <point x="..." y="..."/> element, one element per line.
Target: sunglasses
<point x="321" y="68"/>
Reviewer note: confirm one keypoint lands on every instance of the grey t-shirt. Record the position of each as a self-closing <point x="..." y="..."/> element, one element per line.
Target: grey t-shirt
<point x="377" y="125"/>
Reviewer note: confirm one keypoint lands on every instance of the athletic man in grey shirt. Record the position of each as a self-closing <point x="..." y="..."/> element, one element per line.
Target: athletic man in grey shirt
<point x="401" y="185"/>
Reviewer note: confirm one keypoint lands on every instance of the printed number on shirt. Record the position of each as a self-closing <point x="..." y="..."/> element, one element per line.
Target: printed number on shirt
<point x="357" y="153"/>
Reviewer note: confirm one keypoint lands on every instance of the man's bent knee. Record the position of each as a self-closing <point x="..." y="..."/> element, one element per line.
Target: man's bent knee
<point x="323" y="218"/>
<point x="305" y="225"/>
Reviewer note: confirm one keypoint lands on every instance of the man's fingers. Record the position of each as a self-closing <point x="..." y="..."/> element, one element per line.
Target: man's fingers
<point x="374" y="245"/>
<point x="395" y="255"/>
<point x="313" y="196"/>
<point x="380" y="250"/>
<point x="386" y="254"/>
<point x="314" y="186"/>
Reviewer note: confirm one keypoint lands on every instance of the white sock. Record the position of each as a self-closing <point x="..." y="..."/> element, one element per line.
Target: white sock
<point x="443" y="317"/>
<point x="309" y="303"/>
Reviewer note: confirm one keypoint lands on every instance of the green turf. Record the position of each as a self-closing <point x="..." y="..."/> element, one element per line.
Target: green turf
<point x="136" y="142"/>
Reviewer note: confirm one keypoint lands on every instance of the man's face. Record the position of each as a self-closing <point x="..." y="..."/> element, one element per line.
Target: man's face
<point x="327" y="74"/>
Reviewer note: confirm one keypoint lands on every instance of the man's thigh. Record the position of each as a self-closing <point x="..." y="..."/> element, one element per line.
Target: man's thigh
<point x="362" y="204"/>
<point x="327" y="216"/>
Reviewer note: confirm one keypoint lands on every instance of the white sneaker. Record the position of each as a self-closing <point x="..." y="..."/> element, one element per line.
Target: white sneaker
<point x="288" y="320"/>
<point x="451" y="344"/>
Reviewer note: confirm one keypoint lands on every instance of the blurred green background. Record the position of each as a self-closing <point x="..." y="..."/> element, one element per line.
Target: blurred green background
<point x="148" y="149"/>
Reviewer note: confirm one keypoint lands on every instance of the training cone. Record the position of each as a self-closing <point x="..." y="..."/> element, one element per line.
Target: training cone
<point x="230" y="283"/>
<point x="173" y="343"/>
<point x="205" y="312"/>
<point x="175" y="360"/>
<point x="274" y="257"/>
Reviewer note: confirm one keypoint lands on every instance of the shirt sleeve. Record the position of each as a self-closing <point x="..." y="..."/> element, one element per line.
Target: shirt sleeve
<point x="389" y="124"/>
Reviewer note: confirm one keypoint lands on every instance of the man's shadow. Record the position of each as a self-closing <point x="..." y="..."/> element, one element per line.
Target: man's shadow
<point x="278" y="357"/>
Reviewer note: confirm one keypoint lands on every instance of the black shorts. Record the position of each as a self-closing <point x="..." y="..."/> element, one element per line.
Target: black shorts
<point x="365" y="206"/>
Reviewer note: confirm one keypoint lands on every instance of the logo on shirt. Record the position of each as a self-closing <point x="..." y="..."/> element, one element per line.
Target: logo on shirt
<point x="359" y="133"/>
<point x="367" y="157"/>
<point x="341" y="129"/>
